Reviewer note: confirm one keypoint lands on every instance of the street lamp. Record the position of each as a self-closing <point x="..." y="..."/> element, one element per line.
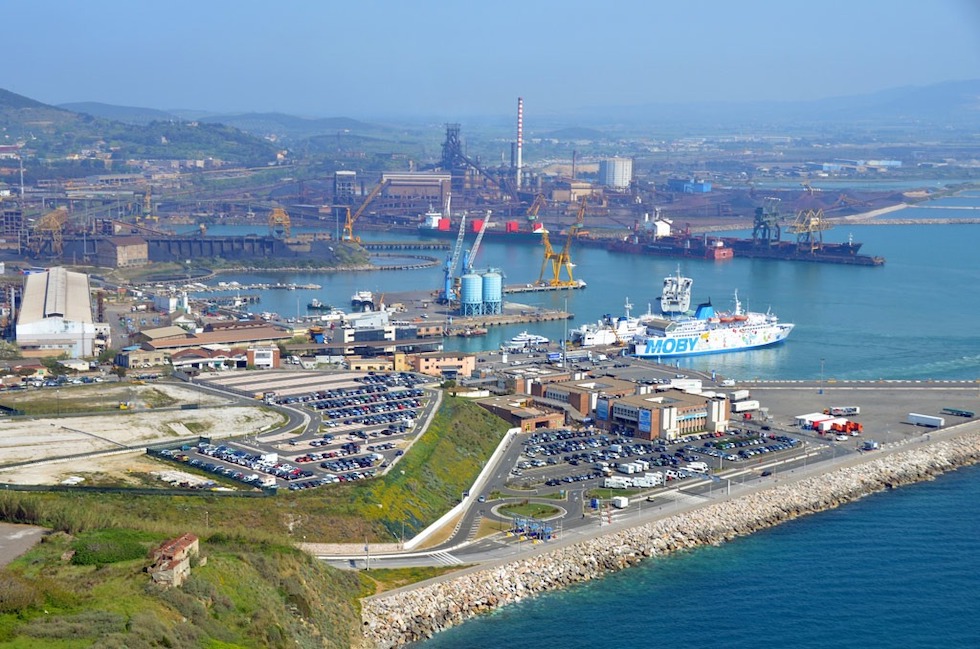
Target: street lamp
<point x="821" y="376"/>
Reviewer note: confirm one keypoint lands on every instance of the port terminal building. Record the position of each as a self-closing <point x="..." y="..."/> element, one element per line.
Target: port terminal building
<point x="667" y="415"/>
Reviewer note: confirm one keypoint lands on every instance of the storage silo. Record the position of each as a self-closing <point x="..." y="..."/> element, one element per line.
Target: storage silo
<point x="471" y="294"/>
<point x="493" y="293"/>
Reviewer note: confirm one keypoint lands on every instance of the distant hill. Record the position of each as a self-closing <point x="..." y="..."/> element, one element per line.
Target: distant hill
<point x="51" y="131"/>
<point x="127" y="114"/>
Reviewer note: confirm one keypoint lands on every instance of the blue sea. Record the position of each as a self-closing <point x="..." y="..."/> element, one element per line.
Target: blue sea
<point x="895" y="569"/>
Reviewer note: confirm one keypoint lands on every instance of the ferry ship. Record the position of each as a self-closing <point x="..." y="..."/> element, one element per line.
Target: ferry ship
<point x="609" y="330"/>
<point x="362" y="301"/>
<point x="708" y="332"/>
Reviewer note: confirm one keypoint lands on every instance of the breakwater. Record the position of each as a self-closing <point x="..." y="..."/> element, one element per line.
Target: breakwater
<point x="403" y="617"/>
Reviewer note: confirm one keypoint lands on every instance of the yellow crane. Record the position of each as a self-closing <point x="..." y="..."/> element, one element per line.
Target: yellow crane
<point x="561" y="260"/>
<point x="279" y="223"/>
<point x="352" y="218"/>
<point x="808" y="228"/>
<point x="47" y="234"/>
<point x="532" y="211"/>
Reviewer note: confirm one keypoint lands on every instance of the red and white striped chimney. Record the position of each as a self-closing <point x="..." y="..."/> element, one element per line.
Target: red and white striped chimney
<point x="520" y="139"/>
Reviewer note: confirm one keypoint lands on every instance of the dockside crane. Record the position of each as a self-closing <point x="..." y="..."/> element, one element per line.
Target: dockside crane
<point x="766" y="228"/>
<point x="808" y="228"/>
<point x="562" y="260"/>
<point x="449" y="289"/>
<point x="352" y="218"/>
<point x="470" y="254"/>
<point x="535" y="207"/>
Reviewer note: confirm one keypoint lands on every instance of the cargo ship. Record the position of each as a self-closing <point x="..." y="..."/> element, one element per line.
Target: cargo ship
<point x="707" y="331"/>
<point x="828" y="253"/>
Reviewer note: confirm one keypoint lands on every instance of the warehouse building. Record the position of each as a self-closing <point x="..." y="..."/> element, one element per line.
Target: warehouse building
<point x="56" y="316"/>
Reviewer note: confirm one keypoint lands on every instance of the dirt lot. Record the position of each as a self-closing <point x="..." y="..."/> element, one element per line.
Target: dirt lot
<point x="41" y="441"/>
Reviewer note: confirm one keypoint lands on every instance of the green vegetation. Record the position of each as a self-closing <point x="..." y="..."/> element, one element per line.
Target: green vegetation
<point x="255" y="589"/>
<point x="100" y="547"/>
<point x="529" y="509"/>
<point x="379" y="581"/>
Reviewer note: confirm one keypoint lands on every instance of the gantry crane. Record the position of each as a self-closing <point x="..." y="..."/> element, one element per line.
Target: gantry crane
<point x="352" y="218"/>
<point x="560" y="260"/>
<point x="808" y="228"/>
<point x="46" y="237"/>
<point x="279" y="224"/>
<point x="766" y="226"/>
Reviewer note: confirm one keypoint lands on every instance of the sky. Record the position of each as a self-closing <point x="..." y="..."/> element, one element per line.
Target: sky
<point x="415" y="58"/>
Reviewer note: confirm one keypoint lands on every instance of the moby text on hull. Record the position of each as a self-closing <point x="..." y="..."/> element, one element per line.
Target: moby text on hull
<point x="709" y="332"/>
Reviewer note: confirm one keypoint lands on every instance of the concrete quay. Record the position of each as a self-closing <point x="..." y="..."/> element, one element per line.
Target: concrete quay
<point x="412" y="614"/>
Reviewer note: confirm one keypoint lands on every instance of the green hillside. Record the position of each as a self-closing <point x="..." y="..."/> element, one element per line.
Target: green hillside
<point x="85" y="585"/>
<point x="52" y="134"/>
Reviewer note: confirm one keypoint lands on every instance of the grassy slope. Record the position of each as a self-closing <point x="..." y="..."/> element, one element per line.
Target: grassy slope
<point x="255" y="590"/>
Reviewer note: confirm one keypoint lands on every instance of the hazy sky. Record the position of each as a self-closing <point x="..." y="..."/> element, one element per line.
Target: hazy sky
<point x="372" y="58"/>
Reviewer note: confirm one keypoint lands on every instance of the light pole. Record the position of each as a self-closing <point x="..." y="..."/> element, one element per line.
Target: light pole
<point x="821" y="377"/>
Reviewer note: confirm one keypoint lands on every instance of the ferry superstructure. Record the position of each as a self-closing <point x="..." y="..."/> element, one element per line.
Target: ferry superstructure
<point x="609" y="330"/>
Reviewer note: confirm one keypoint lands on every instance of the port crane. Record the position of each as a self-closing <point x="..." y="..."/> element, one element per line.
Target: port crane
<point x="470" y="255"/>
<point x="562" y="259"/>
<point x="808" y="228"/>
<point x="47" y="235"/>
<point x="449" y="289"/>
<point x="350" y="219"/>
<point x="535" y="207"/>
<point x="279" y="224"/>
<point x="766" y="226"/>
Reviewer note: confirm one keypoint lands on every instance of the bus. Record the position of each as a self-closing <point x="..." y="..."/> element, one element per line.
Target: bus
<point x="958" y="412"/>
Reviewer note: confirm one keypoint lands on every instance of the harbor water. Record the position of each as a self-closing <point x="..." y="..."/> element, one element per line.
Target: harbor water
<point x="912" y="318"/>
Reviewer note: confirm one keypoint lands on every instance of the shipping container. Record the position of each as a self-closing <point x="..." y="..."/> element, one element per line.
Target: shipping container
<point x="745" y="406"/>
<point x="925" y="420"/>
<point x="739" y="395"/>
<point x="620" y="502"/>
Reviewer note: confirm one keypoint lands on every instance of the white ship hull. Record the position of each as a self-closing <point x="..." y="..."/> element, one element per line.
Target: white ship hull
<point x="711" y="341"/>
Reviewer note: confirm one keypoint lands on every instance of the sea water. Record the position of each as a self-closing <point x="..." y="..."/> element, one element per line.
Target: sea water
<point x="894" y="569"/>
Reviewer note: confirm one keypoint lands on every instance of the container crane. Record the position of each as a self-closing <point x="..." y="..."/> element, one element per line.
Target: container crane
<point x="352" y="218"/>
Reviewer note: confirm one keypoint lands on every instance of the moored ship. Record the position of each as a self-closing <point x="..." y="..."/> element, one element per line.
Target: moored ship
<point x="708" y="332"/>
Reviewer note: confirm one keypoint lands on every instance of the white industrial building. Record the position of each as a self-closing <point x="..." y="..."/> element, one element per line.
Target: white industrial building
<point x="56" y="316"/>
<point x="616" y="173"/>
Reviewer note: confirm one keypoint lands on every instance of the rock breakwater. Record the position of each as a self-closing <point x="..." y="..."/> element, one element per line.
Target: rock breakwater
<point x="402" y="617"/>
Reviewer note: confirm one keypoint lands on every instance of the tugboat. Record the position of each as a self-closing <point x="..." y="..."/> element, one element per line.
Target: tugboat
<point x="317" y="305"/>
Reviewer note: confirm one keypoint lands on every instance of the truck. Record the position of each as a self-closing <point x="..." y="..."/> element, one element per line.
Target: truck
<point x="739" y="395"/>
<point x="745" y="406"/>
<point x="617" y="482"/>
<point x="843" y="411"/>
<point x="925" y="420"/>
<point x="620" y="502"/>
<point x="698" y="467"/>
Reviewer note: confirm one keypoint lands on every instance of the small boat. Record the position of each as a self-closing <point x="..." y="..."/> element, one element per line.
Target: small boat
<point x="317" y="305"/>
<point x="525" y="339"/>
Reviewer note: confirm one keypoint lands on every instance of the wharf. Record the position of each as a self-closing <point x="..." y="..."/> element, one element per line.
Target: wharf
<point x="484" y="321"/>
<point x="405" y="245"/>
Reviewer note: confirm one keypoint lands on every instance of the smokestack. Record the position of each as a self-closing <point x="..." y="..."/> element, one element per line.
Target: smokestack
<point x="520" y="139"/>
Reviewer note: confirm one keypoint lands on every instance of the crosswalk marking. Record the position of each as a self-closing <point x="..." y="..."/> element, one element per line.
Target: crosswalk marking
<point x="446" y="558"/>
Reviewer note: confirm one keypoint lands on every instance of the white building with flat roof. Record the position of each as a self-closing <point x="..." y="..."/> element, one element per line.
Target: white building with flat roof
<point x="56" y="315"/>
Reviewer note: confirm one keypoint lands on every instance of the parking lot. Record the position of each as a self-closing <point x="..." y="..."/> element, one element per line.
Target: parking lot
<point x="362" y="424"/>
